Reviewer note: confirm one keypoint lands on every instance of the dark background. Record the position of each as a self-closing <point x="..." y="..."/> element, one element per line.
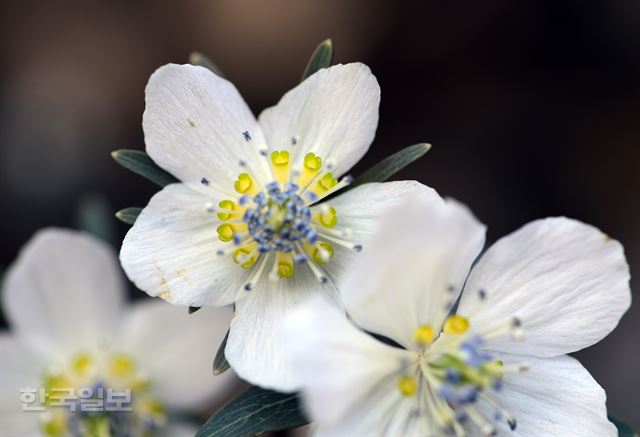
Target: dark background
<point x="532" y="107"/>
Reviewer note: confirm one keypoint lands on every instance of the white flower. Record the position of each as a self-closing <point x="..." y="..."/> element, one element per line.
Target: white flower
<point x="247" y="209"/>
<point x="70" y="330"/>
<point x="498" y="364"/>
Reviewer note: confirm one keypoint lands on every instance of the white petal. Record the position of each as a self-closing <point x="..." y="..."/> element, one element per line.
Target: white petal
<point x="20" y="368"/>
<point x="348" y="378"/>
<point x="176" y="350"/>
<point x="413" y="271"/>
<point x="64" y="292"/>
<point x="556" y="397"/>
<point x="333" y="113"/>
<point x="567" y="282"/>
<point x="254" y="348"/>
<point x="194" y="124"/>
<point x="360" y="210"/>
<point x="170" y="251"/>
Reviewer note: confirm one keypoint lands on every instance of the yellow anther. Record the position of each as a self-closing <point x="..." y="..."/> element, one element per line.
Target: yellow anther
<point x="407" y="385"/>
<point x="245" y="185"/>
<point x="310" y="167"/>
<point x="327" y="182"/>
<point x="280" y="161"/>
<point x="456" y="325"/>
<point x="225" y="232"/>
<point x="312" y="162"/>
<point x="322" y="252"/>
<point x="241" y="256"/>
<point x="286" y="268"/>
<point x="227" y="204"/>
<point x="327" y="218"/>
<point x="55" y="384"/>
<point x="122" y="366"/>
<point x="423" y="335"/>
<point x="82" y="364"/>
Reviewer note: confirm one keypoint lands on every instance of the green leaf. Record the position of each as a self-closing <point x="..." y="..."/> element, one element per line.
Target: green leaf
<point x="624" y="430"/>
<point x="197" y="58"/>
<point x="391" y="164"/>
<point x="220" y="363"/>
<point x="321" y="58"/>
<point x="253" y="412"/>
<point x="128" y="215"/>
<point x="139" y="162"/>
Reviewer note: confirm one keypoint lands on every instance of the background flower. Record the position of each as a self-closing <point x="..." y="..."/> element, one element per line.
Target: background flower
<point x="71" y="328"/>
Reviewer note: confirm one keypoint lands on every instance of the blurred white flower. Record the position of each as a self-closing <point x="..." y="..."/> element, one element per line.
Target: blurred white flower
<point x="247" y="208"/>
<point x="497" y="364"/>
<point x="73" y="341"/>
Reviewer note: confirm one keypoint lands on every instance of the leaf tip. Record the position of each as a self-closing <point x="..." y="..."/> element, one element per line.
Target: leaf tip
<point x="425" y="146"/>
<point x="327" y="43"/>
<point x="195" y="58"/>
<point x="114" y="154"/>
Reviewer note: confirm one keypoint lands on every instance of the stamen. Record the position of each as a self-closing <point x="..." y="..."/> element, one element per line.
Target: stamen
<point x="317" y="271"/>
<point x="245" y="185"/>
<point x="258" y="272"/>
<point x="225" y="232"/>
<point x="423" y="335"/>
<point x="311" y="166"/>
<point x="456" y="325"/>
<point x="344" y="233"/>
<point x="229" y="208"/>
<point x="347" y="244"/>
<point x="284" y="265"/>
<point x="407" y="385"/>
<point x="280" y="165"/>
<point x="331" y="186"/>
<point x="326" y="217"/>
<point x="322" y="252"/>
<point x="322" y="186"/>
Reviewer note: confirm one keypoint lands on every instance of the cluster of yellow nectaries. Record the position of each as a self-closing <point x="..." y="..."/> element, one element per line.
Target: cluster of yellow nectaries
<point x="453" y="372"/>
<point x="99" y="395"/>
<point x="281" y="222"/>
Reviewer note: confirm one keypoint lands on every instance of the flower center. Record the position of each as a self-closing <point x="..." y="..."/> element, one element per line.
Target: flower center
<point x="98" y="396"/>
<point x="454" y="372"/>
<point x="280" y="222"/>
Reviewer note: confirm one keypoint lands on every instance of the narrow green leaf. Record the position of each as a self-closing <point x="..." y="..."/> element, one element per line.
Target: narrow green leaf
<point x="128" y="215"/>
<point x="255" y="411"/>
<point x="193" y="309"/>
<point x="321" y="58"/>
<point x="140" y="163"/>
<point x="624" y="430"/>
<point x="391" y="164"/>
<point x="197" y="58"/>
<point x="220" y="363"/>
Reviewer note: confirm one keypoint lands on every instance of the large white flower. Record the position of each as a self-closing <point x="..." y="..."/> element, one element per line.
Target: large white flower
<point x="70" y="331"/>
<point x="245" y="226"/>
<point x="497" y="364"/>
